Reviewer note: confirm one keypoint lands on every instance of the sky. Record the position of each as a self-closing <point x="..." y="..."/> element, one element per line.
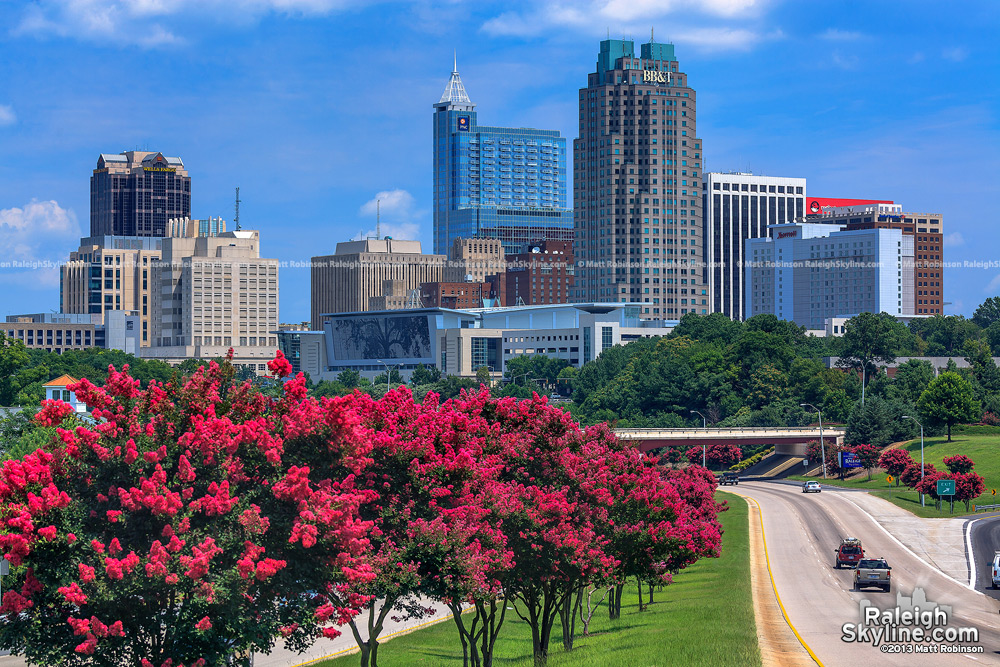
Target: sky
<point x="316" y="108"/>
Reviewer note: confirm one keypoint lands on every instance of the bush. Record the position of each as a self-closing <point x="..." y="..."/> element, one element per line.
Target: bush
<point x="959" y="463"/>
<point x="753" y="460"/>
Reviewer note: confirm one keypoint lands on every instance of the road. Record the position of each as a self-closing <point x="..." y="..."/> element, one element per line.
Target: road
<point x="802" y="532"/>
<point x="985" y="540"/>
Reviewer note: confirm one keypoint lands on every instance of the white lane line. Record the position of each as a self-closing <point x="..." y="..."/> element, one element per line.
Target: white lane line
<point x="969" y="555"/>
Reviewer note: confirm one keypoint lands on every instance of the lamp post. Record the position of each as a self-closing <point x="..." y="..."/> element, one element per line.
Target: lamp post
<point x="388" y="377"/>
<point x="822" y="446"/>
<point x="704" y="425"/>
<point x="864" y="365"/>
<point x="921" y="453"/>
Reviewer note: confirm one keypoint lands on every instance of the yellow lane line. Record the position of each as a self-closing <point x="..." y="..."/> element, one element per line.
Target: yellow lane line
<point x="767" y="558"/>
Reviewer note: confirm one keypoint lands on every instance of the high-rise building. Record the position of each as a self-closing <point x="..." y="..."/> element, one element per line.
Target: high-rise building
<point x="809" y="272"/>
<point x="135" y="193"/>
<point x="475" y="260"/>
<point x="495" y="182"/>
<point x="541" y="274"/>
<point x="637" y="184"/>
<point x="375" y="274"/>
<point x="210" y="294"/>
<point x="738" y="207"/>
<point x="927" y="233"/>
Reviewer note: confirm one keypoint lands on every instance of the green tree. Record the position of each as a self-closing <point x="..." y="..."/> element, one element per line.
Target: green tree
<point x="13" y="357"/>
<point x="988" y="312"/>
<point x="869" y="339"/>
<point x="483" y="375"/>
<point x="948" y="400"/>
<point x="911" y="379"/>
<point x="869" y="424"/>
<point x="984" y="369"/>
<point x="425" y="375"/>
<point x="349" y="377"/>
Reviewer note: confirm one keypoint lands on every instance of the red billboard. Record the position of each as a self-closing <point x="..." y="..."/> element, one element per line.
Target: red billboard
<point x="819" y="205"/>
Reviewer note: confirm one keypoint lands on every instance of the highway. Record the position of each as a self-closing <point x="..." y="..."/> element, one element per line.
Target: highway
<point x="802" y="532"/>
<point x="985" y="540"/>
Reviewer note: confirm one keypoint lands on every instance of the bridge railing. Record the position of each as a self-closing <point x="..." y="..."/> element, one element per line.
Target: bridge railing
<point x="734" y="431"/>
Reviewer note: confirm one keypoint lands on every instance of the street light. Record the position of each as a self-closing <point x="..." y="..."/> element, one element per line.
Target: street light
<point x="704" y="425"/>
<point x="921" y="452"/>
<point x="864" y="365"/>
<point x="388" y="377"/>
<point x="822" y="446"/>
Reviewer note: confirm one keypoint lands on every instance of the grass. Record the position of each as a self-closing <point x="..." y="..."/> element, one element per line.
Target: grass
<point x="979" y="443"/>
<point x="704" y="618"/>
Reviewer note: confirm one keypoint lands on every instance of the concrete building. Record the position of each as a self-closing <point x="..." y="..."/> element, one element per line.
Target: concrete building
<point x="59" y="332"/>
<point x="213" y="293"/>
<point x="637" y="184"/>
<point x="809" y="272"/>
<point x="540" y="274"/>
<point x="463" y="294"/>
<point x="737" y="207"/>
<point x="458" y="342"/>
<point x="475" y="260"/>
<point x="135" y="193"/>
<point x="495" y="182"/>
<point x="926" y="231"/>
<point x="375" y="274"/>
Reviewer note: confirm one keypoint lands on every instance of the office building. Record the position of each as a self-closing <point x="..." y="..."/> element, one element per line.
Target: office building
<point x="495" y="182"/>
<point x="475" y="260"/>
<point x="638" y="184"/>
<point x="460" y="341"/>
<point x="375" y="274"/>
<point x="810" y="272"/>
<point x="817" y="206"/>
<point x="488" y="294"/>
<point x="59" y="332"/>
<point x="737" y="207"/>
<point x="541" y="274"/>
<point x="135" y="193"/>
<point x="927" y="233"/>
<point x="213" y="293"/>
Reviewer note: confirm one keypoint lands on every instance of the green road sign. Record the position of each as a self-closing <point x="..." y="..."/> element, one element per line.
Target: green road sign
<point x="946" y="487"/>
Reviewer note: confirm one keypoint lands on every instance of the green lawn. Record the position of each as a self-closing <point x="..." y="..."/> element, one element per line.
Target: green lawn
<point x="682" y="626"/>
<point x="979" y="443"/>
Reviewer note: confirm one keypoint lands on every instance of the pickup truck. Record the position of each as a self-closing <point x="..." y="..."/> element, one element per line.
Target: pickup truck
<point x="872" y="572"/>
<point x="730" y="478"/>
<point x="848" y="553"/>
<point x="994" y="567"/>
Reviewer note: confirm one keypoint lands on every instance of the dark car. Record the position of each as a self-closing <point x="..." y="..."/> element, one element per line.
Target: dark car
<point x="730" y="478"/>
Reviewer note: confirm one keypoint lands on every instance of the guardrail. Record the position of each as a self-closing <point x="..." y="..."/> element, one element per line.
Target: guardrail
<point x="985" y="508"/>
<point x="749" y="430"/>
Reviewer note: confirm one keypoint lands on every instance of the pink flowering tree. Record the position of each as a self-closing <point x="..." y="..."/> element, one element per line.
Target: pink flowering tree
<point x="894" y="462"/>
<point x="187" y="525"/>
<point x="968" y="487"/>
<point x="715" y="455"/>
<point x="868" y="455"/>
<point x="959" y="463"/>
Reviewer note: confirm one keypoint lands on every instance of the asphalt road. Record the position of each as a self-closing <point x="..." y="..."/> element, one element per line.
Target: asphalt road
<point x="985" y="540"/>
<point x="802" y="532"/>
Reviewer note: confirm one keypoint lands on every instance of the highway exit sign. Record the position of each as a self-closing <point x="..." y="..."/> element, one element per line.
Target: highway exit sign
<point x="946" y="487"/>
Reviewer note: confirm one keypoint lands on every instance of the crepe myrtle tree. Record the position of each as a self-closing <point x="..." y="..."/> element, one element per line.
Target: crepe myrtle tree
<point x="191" y="523"/>
<point x="895" y="461"/>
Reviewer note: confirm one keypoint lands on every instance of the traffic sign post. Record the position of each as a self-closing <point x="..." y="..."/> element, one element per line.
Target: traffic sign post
<point x="946" y="487"/>
<point x="4" y="571"/>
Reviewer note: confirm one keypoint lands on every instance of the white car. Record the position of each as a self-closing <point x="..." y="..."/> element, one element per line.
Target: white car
<point x="995" y="570"/>
<point x="811" y="487"/>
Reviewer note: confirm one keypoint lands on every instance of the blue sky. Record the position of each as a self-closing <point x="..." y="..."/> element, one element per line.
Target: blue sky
<point x="315" y="107"/>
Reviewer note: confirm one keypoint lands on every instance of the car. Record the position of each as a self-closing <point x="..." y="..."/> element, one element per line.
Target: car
<point x="811" y="487"/>
<point x="873" y="572"/>
<point x="995" y="570"/>
<point x="730" y="478"/>
<point x="848" y="553"/>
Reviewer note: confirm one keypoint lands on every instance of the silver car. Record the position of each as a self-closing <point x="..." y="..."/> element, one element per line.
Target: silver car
<point x="811" y="487"/>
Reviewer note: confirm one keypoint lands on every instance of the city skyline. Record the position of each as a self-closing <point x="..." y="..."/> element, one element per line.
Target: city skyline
<point x="895" y="103"/>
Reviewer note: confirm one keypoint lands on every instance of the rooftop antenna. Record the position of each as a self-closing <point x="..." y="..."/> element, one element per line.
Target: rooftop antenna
<point x="378" y="219"/>
<point x="455" y="66"/>
<point x="651" y="40"/>
<point x="236" y="218"/>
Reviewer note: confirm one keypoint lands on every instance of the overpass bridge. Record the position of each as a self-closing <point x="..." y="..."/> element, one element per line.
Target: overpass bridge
<point x="787" y="440"/>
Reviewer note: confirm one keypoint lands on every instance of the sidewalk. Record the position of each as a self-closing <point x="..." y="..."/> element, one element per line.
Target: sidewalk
<point x="939" y="542"/>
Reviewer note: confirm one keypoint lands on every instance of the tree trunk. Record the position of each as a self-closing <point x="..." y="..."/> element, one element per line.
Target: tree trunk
<point x="639" y="582"/>
<point x="949" y="431"/>
<point x="650" y="593"/>
<point x="456" y="614"/>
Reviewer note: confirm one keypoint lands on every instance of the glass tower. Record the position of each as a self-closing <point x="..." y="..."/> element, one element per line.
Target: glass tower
<point x="637" y="181"/>
<point x="495" y="182"/>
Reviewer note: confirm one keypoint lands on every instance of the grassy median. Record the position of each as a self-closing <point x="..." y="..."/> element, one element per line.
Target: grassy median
<point x="704" y="618"/>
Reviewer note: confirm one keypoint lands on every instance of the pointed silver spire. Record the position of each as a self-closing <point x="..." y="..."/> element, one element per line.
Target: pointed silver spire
<point x="454" y="93"/>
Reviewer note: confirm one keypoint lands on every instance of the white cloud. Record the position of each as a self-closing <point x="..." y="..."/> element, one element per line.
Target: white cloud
<point x="956" y="54"/>
<point x="954" y="239"/>
<point x="398" y="214"/>
<point x="138" y="22"/>
<point x="7" y="115"/>
<point x="993" y="285"/>
<point x="35" y="239"/>
<point x="835" y="35"/>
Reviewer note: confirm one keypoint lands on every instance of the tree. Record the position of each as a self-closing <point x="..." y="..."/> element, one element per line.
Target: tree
<point x="425" y="375"/>
<point x="869" y="423"/>
<point x="715" y="455"/>
<point x="868" y="455"/>
<point x="959" y="464"/>
<point x="483" y="375"/>
<point x="870" y="338"/>
<point x="911" y="475"/>
<point x="195" y="522"/>
<point x="13" y="357"/>
<point x="948" y="400"/>
<point x="968" y="487"/>
<point x="895" y="461"/>
<point x="911" y="379"/>
<point x="349" y="377"/>
<point x="988" y="312"/>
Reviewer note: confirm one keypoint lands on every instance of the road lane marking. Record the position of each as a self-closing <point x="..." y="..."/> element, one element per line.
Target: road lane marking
<point x="969" y="555"/>
<point x="770" y="574"/>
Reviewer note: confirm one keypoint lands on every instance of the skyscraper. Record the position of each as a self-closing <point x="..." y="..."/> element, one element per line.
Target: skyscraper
<point x="495" y="182"/>
<point x="637" y="184"/>
<point x="136" y="193"/>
